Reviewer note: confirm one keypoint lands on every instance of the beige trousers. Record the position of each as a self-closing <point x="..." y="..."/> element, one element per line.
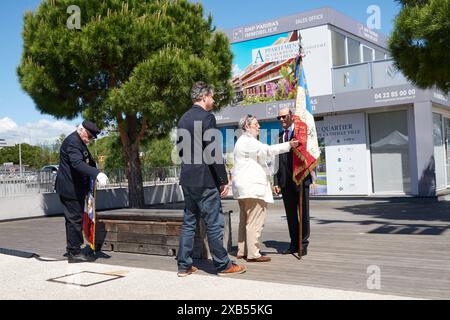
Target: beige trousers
<point x="251" y="222"/>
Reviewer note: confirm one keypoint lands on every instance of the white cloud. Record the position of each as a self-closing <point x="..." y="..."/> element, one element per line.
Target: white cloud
<point x="42" y="132"/>
<point x="6" y="124"/>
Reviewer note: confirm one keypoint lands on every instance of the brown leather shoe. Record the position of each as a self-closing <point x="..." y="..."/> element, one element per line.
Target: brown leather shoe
<point x="241" y="257"/>
<point x="234" y="269"/>
<point x="260" y="259"/>
<point x="189" y="271"/>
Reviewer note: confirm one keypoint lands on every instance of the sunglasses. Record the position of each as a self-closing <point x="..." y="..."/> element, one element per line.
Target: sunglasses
<point x="282" y="117"/>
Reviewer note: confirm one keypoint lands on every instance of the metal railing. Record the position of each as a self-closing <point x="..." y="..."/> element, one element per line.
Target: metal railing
<point x="150" y="176"/>
<point x="44" y="182"/>
<point x="28" y="182"/>
<point x="367" y="75"/>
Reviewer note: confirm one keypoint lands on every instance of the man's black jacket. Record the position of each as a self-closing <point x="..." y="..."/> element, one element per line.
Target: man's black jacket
<point x="75" y="167"/>
<point x="198" y="170"/>
<point x="284" y="176"/>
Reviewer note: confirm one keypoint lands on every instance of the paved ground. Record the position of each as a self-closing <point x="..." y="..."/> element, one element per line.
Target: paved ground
<point x="360" y="249"/>
<point x="29" y="279"/>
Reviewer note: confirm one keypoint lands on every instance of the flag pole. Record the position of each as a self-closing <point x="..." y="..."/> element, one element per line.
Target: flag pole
<point x="300" y="222"/>
<point x="300" y="204"/>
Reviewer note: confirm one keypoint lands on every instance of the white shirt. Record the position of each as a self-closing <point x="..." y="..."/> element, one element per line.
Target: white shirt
<point x="251" y="169"/>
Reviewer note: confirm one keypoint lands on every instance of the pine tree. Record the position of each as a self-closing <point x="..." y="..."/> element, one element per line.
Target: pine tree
<point x="131" y="64"/>
<point x="420" y="42"/>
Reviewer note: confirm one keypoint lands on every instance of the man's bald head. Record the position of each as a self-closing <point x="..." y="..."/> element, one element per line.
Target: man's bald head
<point x="285" y="117"/>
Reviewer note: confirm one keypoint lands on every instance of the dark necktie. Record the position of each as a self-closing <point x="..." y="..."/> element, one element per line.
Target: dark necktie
<point x="286" y="135"/>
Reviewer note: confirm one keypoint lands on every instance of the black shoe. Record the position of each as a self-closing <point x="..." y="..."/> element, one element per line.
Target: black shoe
<point x="304" y="251"/>
<point x="295" y="250"/>
<point x="80" y="257"/>
<point x="290" y="250"/>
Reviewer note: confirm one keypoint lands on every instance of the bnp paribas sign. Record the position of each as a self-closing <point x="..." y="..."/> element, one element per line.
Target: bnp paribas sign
<point x="279" y="52"/>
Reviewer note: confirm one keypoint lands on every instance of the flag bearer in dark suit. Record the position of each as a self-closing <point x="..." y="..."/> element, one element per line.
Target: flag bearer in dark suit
<point x="72" y="184"/>
<point x="284" y="182"/>
<point x="204" y="180"/>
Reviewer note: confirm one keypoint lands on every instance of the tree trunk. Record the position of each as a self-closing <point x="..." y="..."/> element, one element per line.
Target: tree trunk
<point x="130" y="144"/>
<point x="135" y="186"/>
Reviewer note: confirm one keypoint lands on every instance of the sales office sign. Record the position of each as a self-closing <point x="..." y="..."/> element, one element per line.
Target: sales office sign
<point x="275" y="53"/>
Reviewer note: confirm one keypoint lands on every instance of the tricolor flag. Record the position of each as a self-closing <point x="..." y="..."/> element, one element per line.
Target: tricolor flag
<point x="306" y="155"/>
<point x="89" y="215"/>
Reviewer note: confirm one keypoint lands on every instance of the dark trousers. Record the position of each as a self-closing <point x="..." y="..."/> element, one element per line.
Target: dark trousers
<point x="291" y="200"/>
<point x="205" y="203"/>
<point x="73" y="212"/>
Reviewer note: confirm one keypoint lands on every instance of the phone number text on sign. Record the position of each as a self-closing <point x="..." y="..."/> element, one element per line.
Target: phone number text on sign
<point x="394" y="95"/>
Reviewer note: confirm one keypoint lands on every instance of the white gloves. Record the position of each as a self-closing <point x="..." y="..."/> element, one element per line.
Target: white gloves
<point x="102" y="179"/>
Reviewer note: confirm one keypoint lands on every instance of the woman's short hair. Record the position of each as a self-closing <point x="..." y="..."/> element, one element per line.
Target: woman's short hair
<point x="201" y="89"/>
<point x="246" y="121"/>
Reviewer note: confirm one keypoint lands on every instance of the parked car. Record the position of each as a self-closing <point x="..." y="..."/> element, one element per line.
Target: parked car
<point x="47" y="177"/>
<point x="53" y="168"/>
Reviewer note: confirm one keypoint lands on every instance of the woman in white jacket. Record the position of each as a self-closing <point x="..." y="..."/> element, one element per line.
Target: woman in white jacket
<point x="251" y="186"/>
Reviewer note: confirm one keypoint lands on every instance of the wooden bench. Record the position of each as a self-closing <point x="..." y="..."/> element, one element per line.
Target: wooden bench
<point x="151" y="231"/>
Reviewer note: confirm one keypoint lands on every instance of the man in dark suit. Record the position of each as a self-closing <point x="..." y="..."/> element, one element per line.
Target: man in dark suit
<point x="72" y="184"/>
<point x="290" y="191"/>
<point x="204" y="181"/>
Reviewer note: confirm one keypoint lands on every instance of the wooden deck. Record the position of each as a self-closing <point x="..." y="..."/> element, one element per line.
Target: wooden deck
<point x="408" y="241"/>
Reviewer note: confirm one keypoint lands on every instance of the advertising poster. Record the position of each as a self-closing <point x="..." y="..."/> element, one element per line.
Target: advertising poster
<point x="263" y="68"/>
<point x="343" y="171"/>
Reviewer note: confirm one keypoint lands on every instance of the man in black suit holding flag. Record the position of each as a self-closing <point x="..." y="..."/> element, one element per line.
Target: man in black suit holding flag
<point x="76" y="167"/>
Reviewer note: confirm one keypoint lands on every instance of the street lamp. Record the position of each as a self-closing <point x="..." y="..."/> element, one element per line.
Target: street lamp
<point x="20" y="159"/>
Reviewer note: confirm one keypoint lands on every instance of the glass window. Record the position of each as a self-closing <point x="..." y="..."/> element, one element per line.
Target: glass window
<point x="338" y="48"/>
<point x="353" y="51"/>
<point x="229" y="136"/>
<point x="389" y="148"/>
<point x="367" y="54"/>
<point x="439" y="151"/>
<point x="379" y="55"/>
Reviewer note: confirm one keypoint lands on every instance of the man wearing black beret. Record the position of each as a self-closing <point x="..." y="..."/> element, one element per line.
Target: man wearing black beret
<point x="72" y="184"/>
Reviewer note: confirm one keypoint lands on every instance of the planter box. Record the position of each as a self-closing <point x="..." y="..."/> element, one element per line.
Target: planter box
<point x="151" y="231"/>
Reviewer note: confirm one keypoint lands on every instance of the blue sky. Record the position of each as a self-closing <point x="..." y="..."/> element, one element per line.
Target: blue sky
<point x="19" y="118"/>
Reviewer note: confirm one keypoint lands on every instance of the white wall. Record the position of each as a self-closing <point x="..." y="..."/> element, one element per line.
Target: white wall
<point x="317" y="61"/>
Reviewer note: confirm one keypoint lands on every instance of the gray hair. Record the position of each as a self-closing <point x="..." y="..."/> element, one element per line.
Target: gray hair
<point x="80" y="128"/>
<point x="201" y="89"/>
<point x="245" y="121"/>
<point x="286" y="108"/>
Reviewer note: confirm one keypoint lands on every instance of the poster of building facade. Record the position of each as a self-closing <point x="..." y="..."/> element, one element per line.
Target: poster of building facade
<point x="263" y="68"/>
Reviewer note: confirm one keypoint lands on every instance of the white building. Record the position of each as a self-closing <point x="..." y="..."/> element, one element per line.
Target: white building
<point x="380" y="135"/>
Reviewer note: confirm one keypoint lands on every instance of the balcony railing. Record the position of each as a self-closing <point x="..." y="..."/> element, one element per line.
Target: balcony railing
<point x="367" y="75"/>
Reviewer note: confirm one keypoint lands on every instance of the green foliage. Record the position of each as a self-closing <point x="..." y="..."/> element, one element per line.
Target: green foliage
<point x="420" y="42"/>
<point x="130" y="66"/>
<point x="257" y="99"/>
<point x="108" y="155"/>
<point x="157" y="153"/>
<point x="33" y="157"/>
<point x="287" y="72"/>
<point x="107" y="152"/>
<point x="130" y="58"/>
